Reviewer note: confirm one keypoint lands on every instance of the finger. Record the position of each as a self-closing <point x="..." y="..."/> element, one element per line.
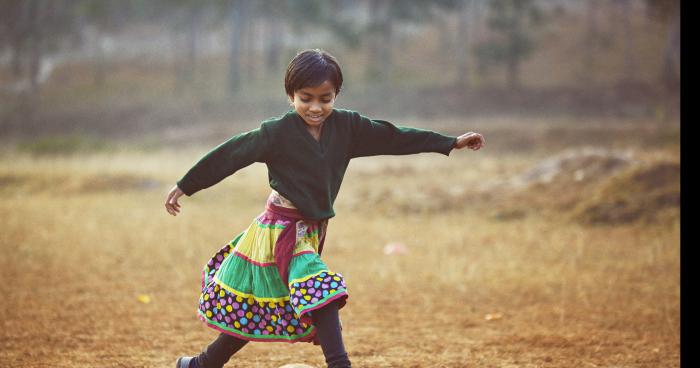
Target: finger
<point x="171" y="208"/>
<point x="173" y="201"/>
<point x="169" y="199"/>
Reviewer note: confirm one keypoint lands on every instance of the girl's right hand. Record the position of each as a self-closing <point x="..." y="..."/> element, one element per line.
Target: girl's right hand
<point x="171" y="204"/>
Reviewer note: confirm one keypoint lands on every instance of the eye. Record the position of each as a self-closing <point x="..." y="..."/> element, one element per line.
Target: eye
<point x="329" y="101"/>
<point x="305" y="100"/>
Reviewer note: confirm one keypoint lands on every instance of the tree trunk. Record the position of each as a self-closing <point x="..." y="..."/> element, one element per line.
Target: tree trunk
<point x="463" y="43"/>
<point x="99" y="76"/>
<point x="514" y="72"/>
<point x="17" y="21"/>
<point x="36" y="46"/>
<point x="17" y="46"/>
<point x="177" y="63"/>
<point x="589" y="45"/>
<point x="629" y="65"/>
<point x="248" y="49"/>
<point x="273" y="45"/>
<point x="670" y="74"/>
<point x="236" y="17"/>
<point x="386" y="58"/>
<point x="514" y="56"/>
<point x="379" y="63"/>
<point x="191" y="66"/>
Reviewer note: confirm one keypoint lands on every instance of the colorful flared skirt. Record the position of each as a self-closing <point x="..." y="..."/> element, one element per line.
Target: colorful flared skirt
<point x="265" y="283"/>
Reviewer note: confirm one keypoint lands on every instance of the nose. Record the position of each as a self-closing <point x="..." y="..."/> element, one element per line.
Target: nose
<point x="315" y="107"/>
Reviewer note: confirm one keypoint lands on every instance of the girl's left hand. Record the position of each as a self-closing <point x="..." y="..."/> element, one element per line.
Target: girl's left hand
<point x="471" y="140"/>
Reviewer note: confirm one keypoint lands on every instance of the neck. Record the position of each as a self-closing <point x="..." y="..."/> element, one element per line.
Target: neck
<point x="315" y="131"/>
<point x="315" y="128"/>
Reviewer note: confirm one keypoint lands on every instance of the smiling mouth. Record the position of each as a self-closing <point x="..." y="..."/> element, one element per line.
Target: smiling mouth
<point x="315" y="117"/>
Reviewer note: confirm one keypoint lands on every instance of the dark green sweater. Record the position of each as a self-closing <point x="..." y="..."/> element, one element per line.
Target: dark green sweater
<point x="306" y="171"/>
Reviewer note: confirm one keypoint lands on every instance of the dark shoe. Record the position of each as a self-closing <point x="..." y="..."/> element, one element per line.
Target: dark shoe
<point x="183" y="362"/>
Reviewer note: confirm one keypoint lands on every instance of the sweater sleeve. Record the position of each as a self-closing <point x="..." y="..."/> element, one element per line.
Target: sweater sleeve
<point x="225" y="159"/>
<point x="379" y="137"/>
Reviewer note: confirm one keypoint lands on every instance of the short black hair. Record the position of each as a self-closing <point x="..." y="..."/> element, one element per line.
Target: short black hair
<point x="310" y="68"/>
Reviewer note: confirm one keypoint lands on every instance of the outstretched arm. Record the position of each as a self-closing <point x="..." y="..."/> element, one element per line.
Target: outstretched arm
<point x="379" y="137"/>
<point x="222" y="161"/>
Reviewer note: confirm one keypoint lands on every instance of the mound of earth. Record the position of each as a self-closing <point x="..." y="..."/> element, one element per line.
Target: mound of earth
<point x="648" y="193"/>
<point x="557" y="184"/>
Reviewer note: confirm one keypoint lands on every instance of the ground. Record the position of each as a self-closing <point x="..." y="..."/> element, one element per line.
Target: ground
<point x="96" y="273"/>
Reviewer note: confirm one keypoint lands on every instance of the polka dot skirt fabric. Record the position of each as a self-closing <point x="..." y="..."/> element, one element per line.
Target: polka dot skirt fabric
<point x="244" y="293"/>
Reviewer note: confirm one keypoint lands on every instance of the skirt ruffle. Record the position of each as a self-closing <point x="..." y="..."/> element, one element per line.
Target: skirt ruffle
<point x="249" y="294"/>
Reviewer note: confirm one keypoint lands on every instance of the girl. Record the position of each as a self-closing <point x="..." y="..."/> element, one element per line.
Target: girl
<point x="269" y="283"/>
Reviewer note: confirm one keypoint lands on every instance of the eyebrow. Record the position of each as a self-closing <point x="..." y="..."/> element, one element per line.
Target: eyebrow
<point x="323" y="95"/>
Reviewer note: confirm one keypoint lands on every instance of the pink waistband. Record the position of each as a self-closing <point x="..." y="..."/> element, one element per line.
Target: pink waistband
<point x="287" y="240"/>
<point x="283" y="211"/>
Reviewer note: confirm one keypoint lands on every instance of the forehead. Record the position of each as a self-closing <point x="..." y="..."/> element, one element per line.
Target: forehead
<point x="324" y="89"/>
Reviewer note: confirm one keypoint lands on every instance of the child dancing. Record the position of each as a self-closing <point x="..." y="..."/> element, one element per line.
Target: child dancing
<point x="269" y="283"/>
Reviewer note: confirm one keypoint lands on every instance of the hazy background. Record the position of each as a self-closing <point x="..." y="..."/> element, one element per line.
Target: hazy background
<point x="132" y="69"/>
<point x="555" y="245"/>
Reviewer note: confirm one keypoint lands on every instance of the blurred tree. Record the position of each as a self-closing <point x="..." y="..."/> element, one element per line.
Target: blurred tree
<point x="630" y="66"/>
<point x="379" y="33"/>
<point x="513" y="22"/>
<point x="239" y="11"/>
<point x="101" y="15"/>
<point x="306" y="16"/>
<point x="379" y="42"/>
<point x="14" y="30"/>
<point x="35" y="28"/>
<point x="186" y="18"/>
<point x="590" y="42"/>
<point x="467" y="8"/>
<point x="669" y="11"/>
<point x="273" y="14"/>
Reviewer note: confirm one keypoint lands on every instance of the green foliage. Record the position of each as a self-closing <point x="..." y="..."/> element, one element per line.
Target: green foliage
<point x="63" y="144"/>
<point x="512" y="22"/>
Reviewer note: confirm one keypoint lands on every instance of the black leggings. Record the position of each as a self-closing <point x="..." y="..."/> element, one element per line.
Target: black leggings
<point x="327" y="325"/>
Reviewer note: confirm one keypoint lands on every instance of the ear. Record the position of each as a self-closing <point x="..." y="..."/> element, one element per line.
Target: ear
<point x="290" y="99"/>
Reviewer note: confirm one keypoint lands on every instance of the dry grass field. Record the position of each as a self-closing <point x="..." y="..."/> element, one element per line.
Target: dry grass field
<point x="496" y="275"/>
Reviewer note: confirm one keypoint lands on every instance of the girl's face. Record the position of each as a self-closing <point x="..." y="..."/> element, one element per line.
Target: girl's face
<point x="314" y="104"/>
